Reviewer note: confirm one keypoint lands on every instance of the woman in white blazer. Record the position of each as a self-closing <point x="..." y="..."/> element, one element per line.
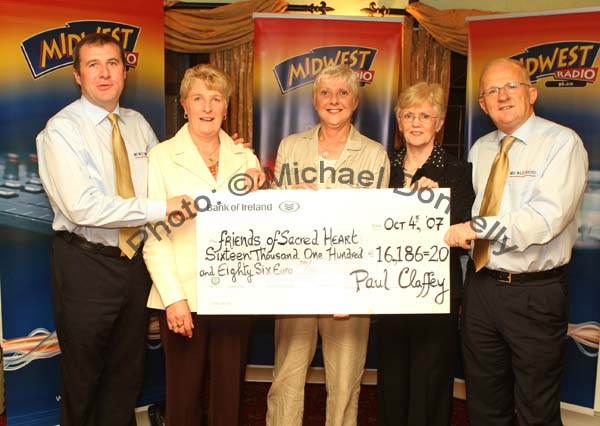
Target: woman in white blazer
<point x="199" y="156"/>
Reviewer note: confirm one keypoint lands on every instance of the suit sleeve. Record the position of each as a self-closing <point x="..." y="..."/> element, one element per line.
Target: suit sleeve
<point x="462" y="195"/>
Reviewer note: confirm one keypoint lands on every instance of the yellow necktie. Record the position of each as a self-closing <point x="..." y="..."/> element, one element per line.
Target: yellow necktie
<point x="492" y="197"/>
<point x="123" y="181"/>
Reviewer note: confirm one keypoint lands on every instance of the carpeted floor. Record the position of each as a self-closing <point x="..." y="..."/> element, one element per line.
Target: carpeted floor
<point x="254" y="406"/>
<point x="255" y="395"/>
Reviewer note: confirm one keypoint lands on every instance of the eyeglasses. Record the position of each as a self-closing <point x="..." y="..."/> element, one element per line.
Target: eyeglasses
<point x="423" y="117"/>
<point x="509" y="87"/>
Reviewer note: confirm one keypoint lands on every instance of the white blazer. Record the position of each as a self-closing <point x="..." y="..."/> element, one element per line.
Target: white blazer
<point x="176" y="168"/>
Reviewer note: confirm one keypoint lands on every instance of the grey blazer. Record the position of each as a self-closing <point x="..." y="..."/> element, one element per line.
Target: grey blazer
<point x="363" y="163"/>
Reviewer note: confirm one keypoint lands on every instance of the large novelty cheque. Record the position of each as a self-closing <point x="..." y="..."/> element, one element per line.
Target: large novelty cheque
<point x="375" y="251"/>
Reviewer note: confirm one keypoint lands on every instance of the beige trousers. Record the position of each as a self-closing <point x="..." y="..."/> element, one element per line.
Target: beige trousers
<point x="344" y="353"/>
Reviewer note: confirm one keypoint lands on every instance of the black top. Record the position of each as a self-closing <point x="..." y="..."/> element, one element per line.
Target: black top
<point x="448" y="172"/>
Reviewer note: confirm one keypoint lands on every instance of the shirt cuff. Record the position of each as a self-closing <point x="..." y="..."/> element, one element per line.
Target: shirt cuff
<point x="157" y="210"/>
<point x="486" y="227"/>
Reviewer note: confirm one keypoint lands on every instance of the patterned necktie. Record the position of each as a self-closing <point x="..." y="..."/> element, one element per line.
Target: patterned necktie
<point x="123" y="181"/>
<point x="492" y="197"/>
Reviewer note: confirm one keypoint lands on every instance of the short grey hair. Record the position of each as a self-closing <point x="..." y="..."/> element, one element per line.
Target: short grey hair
<point x="337" y="72"/>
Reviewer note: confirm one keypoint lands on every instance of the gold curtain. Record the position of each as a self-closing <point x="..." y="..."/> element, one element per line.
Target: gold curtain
<point x="424" y="59"/>
<point x="237" y="63"/>
<point x="209" y="30"/>
<point x="427" y="53"/>
<point x="227" y="33"/>
<point x="448" y="27"/>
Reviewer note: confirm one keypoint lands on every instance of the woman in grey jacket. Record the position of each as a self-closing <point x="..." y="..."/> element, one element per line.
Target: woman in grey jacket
<point x="332" y="149"/>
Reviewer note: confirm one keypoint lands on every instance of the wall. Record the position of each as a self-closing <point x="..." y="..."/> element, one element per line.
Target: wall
<point x="352" y="7"/>
<point x="511" y="5"/>
<point x="342" y="7"/>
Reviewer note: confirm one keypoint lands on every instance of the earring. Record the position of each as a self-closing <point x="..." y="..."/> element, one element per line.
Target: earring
<point x="224" y="118"/>
<point x="185" y="115"/>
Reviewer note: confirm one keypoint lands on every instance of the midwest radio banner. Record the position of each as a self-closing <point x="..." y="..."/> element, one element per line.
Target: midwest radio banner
<point x="289" y="51"/>
<point x="560" y="51"/>
<point x="37" y="44"/>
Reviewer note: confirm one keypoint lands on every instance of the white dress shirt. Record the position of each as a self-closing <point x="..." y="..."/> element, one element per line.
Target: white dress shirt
<point x="535" y="228"/>
<point x="77" y="170"/>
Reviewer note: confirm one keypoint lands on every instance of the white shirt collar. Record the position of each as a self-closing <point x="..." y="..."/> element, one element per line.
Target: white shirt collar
<point x="94" y="112"/>
<point x="523" y="133"/>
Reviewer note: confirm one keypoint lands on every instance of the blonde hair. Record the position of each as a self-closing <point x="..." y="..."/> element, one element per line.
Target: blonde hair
<point x="337" y="72"/>
<point x="213" y="78"/>
<point x="421" y="93"/>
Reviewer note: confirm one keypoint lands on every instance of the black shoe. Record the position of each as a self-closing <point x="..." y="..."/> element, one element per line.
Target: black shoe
<point x="156" y="414"/>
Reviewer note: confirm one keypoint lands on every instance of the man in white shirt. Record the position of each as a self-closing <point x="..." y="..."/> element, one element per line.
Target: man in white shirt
<point x="99" y="295"/>
<point x="515" y="307"/>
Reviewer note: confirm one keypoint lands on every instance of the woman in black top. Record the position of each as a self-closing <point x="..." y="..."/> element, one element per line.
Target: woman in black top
<point x="417" y="353"/>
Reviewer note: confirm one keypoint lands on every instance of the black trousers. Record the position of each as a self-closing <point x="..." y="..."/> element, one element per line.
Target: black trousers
<point x="514" y="349"/>
<point x="101" y="322"/>
<point x="221" y="342"/>
<point x="415" y="369"/>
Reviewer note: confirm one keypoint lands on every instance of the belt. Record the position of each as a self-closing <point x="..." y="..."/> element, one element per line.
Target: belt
<point x="508" y="277"/>
<point x="86" y="245"/>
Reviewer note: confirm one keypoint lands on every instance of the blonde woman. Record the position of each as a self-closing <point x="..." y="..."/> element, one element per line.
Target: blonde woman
<point x="199" y="156"/>
<point x="417" y="353"/>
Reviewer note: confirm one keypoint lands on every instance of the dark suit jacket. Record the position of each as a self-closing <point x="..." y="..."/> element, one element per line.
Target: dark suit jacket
<point x="448" y="172"/>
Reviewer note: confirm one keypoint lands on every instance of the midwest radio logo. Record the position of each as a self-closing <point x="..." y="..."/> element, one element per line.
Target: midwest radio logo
<point x="302" y="69"/>
<point x="53" y="49"/>
<point x="568" y="63"/>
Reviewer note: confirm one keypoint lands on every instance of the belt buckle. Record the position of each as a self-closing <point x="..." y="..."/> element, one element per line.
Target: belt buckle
<point x="508" y="280"/>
